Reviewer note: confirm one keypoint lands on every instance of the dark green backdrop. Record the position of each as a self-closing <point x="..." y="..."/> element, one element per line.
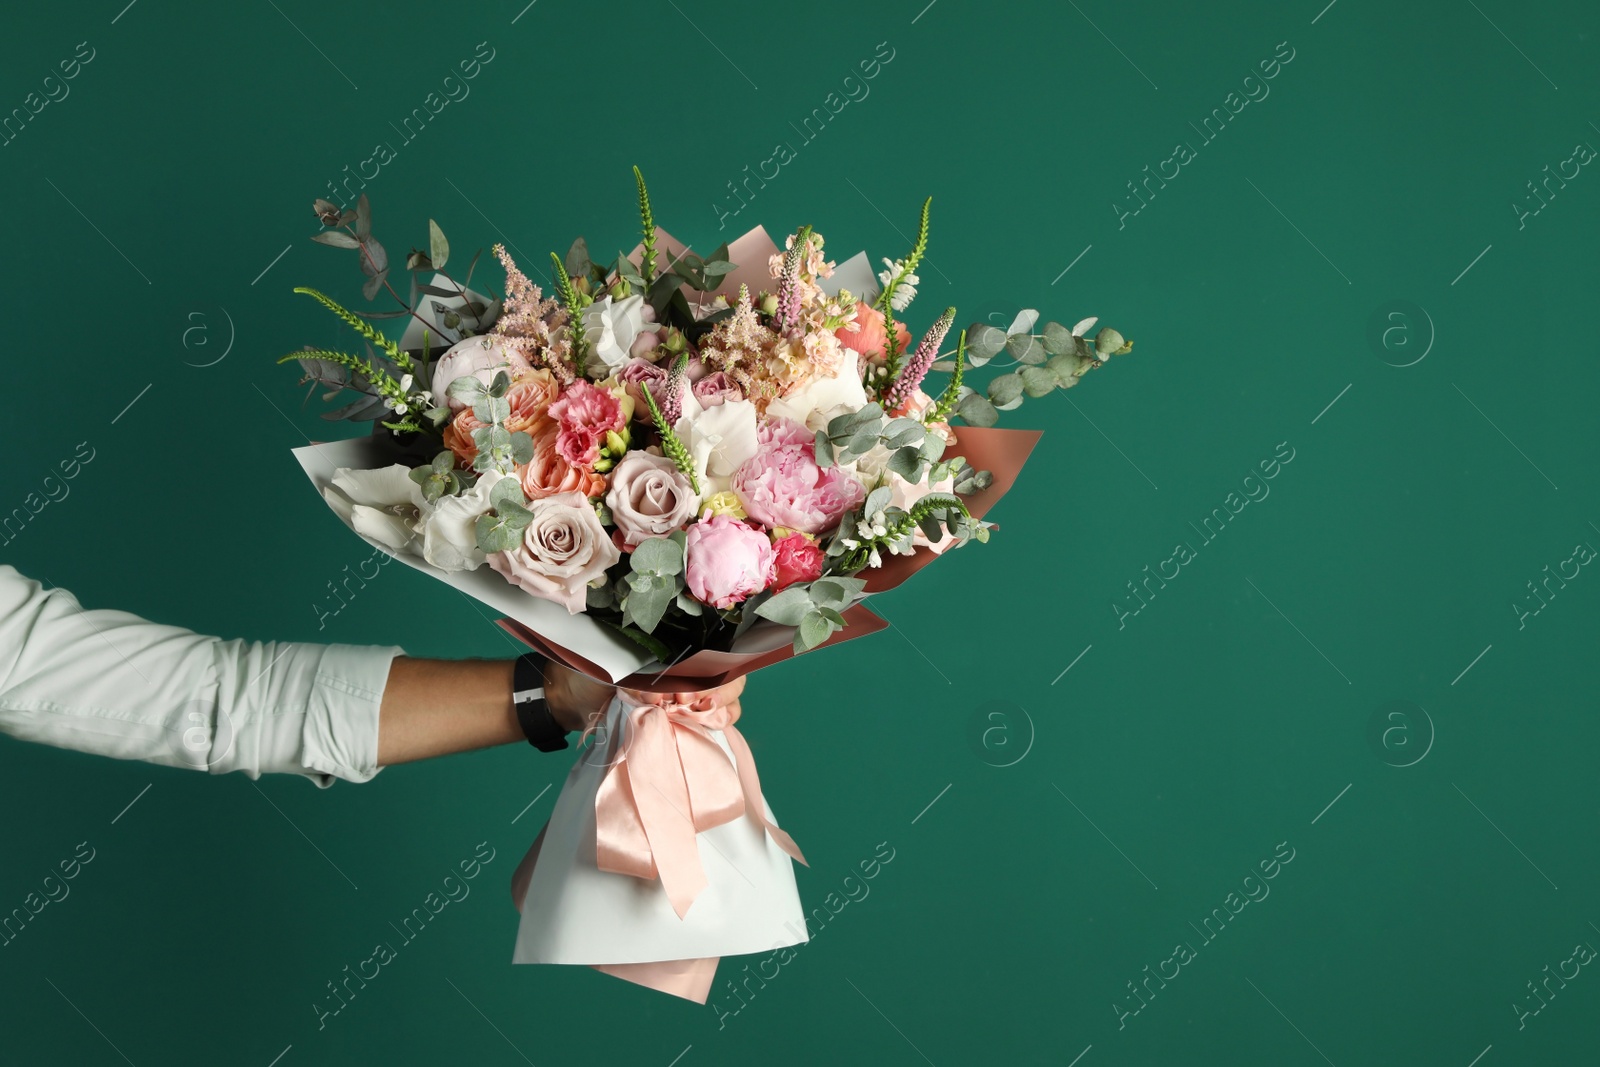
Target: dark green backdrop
<point x="1054" y="831"/>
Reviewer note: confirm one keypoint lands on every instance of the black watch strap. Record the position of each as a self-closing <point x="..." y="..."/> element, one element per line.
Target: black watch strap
<point x="533" y="713"/>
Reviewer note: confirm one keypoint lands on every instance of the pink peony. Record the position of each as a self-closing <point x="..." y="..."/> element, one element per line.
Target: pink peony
<point x="798" y="559"/>
<point x="585" y="414"/>
<point x="781" y="485"/>
<point x="727" y="560"/>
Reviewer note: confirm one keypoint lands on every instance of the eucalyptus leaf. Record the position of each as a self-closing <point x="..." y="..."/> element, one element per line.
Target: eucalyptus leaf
<point x="1057" y="339"/>
<point x="521" y="447"/>
<point x="1037" y="381"/>
<point x="335" y="239"/>
<point x="1025" y="348"/>
<point x="787" y="608"/>
<point x="1005" y="389"/>
<point x="496" y="534"/>
<point x="815" y="628"/>
<point x="657" y="555"/>
<point x="984" y="342"/>
<point x="902" y="432"/>
<point x="907" y="463"/>
<point x="438" y="247"/>
<point x="977" y="411"/>
<point x="363" y="217"/>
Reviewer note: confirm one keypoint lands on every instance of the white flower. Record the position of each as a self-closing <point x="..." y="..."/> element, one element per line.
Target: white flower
<point x="449" y="529"/>
<point x="904" y="495"/>
<point x="478" y="357"/>
<point x="382" y="504"/>
<point x="719" y="439"/>
<point x="907" y="289"/>
<point x="611" y="326"/>
<point x="822" y="399"/>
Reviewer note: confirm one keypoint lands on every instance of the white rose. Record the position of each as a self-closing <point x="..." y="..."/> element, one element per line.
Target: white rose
<point x="611" y="326"/>
<point x="822" y="399"/>
<point x="382" y="504"/>
<point x="449" y="529"/>
<point x="478" y="357"/>
<point x="719" y="439"/>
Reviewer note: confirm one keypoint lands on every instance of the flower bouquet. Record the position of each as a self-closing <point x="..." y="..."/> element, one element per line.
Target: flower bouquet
<point x="668" y="472"/>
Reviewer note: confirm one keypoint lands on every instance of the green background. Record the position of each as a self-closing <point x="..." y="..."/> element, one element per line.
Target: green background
<point x="1142" y="785"/>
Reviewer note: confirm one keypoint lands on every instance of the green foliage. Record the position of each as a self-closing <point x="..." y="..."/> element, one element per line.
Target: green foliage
<point x="671" y="446"/>
<point x="647" y="262"/>
<point x="569" y="297"/>
<point x="911" y="263"/>
<point x="438" y="247"/>
<point x="655" y="581"/>
<point x="941" y="409"/>
<point x="501" y="529"/>
<point x="440" y="478"/>
<point x="814" y="609"/>
<point x="362" y="327"/>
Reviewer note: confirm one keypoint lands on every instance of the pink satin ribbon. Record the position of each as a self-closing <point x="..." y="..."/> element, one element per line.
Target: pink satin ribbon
<point x="672" y="781"/>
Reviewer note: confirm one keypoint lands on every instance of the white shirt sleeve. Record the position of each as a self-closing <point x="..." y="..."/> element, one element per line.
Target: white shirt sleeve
<point x="113" y="684"/>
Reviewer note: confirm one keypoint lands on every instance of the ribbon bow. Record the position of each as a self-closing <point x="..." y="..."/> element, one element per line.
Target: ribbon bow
<point x="672" y="781"/>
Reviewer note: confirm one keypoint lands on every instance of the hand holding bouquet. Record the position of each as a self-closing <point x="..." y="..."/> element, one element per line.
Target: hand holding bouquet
<point x="663" y="472"/>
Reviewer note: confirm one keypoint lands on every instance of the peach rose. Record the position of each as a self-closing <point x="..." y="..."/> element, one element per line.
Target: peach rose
<point x="458" y="436"/>
<point x="547" y="474"/>
<point x="871" y="337"/>
<point x="530" y="396"/>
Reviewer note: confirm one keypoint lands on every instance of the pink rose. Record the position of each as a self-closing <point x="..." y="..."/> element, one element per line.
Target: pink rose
<point x="726" y="560"/>
<point x="563" y="549"/>
<point x="781" y="485"/>
<point x="639" y="374"/>
<point x="585" y="414"/>
<point x="798" y="559"/>
<point x="716" y="388"/>
<point x="649" y="497"/>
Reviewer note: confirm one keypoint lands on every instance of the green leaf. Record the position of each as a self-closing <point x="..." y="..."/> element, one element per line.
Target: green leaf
<point x="823" y="450"/>
<point x="507" y="493"/>
<point x="521" y="447"/>
<point x="1108" y="342"/>
<point x="833" y="617"/>
<point x="363" y="217"/>
<point x="689" y="605"/>
<point x="902" y="432"/>
<point x="1037" y="381"/>
<point x="466" y="388"/>
<point x="497" y="534"/>
<point x="814" y="629"/>
<point x="877" y="500"/>
<point x="1025" y="348"/>
<point x="438" y="247"/>
<point x="648" y="602"/>
<point x="977" y="411"/>
<point x="906" y="462"/>
<point x="1004" y="390"/>
<point x="1058" y="339"/>
<point x="577" y="262"/>
<point x="984" y="342"/>
<point x="788" y="608"/>
<point x="658" y="556"/>
<point x="335" y="239"/>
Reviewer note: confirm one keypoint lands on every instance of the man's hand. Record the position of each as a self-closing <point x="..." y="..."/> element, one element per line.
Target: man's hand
<point x="575" y="700"/>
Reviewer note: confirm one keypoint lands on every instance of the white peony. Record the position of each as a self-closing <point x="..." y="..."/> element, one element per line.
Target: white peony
<point x="719" y="438"/>
<point x="449" y="529"/>
<point x="382" y="504"/>
<point x="478" y="357"/>
<point x="823" y="399"/>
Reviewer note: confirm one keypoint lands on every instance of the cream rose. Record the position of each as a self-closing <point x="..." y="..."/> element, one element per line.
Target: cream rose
<point x="822" y="399"/>
<point x="649" y="497"/>
<point x="562" y="551"/>
<point x="718" y="438"/>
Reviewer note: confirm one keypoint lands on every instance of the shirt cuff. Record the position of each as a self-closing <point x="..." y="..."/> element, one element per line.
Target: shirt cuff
<point x="340" y="735"/>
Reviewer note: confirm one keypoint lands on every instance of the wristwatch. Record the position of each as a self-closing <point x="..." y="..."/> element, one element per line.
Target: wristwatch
<point x="533" y="711"/>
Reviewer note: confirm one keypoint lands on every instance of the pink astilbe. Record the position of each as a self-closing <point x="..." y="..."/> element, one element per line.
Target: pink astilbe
<point x="921" y="360"/>
<point x="739" y="346"/>
<point x="528" y="321"/>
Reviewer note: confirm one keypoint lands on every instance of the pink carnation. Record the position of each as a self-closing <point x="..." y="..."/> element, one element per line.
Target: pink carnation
<point x="798" y="559"/>
<point x="726" y="560"/>
<point x="585" y="414"/>
<point x="781" y="485"/>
